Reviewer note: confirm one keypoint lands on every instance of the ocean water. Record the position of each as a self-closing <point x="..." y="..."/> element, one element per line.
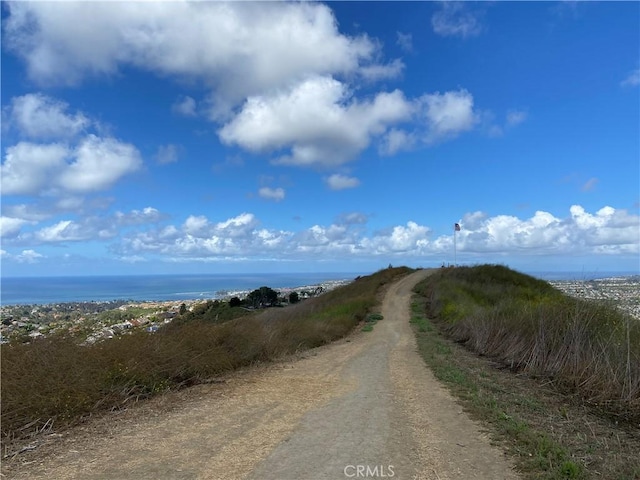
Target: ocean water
<point x="44" y="290"/>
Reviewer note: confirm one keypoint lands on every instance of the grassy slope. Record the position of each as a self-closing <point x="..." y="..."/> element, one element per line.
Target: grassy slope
<point x="56" y="381"/>
<point x="542" y="355"/>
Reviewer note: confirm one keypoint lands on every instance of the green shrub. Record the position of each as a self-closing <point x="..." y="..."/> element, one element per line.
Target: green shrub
<point x="589" y="348"/>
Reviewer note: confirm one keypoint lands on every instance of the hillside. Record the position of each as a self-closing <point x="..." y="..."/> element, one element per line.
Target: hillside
<point x="366" y="401"/>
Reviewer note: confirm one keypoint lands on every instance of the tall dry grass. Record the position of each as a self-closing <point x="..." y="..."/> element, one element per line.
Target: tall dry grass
<point x="587" y="348"/>
<point x="56" y="381"/>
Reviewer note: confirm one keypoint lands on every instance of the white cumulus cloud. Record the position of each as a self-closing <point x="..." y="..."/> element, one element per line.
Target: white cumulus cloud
<point x="201" y="238"/>
<point x="409" y="238"/>
<point x="195" y="225"/>
<point x="237" y="226"/>
<point x="29" y="168"/>
<point x="275" y="194"/>
<point x="396" y="140"/>
<point x="448" y="114"/>
<point x="98" y="163"/>
<point x="318" y="120"/>
<point x="37" y="115"/>
<point x="341" y="182"/>
<point x="63" y="231"/>
<point x="256" y="46"/>
<point x="89" y="227"/>
<point x="10" y="226"/>
<point x="581" y="233"/>
<point x="278" y="73"/>
<point x="139" y="217"/>
<point x="381" y="72"/>
<point x="29" y="256"/>
<point x="72" y="164"/>
<point x="482" y="238"/>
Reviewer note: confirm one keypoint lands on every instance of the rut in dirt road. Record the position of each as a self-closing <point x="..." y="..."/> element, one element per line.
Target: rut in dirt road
<point x="396" y="421"/>
<point x="363" y="407"/>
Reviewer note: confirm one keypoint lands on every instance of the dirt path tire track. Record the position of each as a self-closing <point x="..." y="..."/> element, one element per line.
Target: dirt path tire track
<point x="363" y="405"/>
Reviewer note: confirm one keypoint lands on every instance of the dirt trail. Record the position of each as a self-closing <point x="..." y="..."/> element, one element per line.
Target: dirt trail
<point x="363" y="407"/>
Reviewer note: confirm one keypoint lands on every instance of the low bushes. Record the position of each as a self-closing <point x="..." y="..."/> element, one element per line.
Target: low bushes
<point x="587" y="348"/>
<point x="56" y="381"/>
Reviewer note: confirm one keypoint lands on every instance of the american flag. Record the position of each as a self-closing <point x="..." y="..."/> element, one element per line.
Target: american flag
<point x="456" y="227"/>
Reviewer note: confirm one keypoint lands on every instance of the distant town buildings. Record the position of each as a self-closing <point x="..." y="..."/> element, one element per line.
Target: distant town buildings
<point x="97" y="321"/>
<point x="622" y="292"/>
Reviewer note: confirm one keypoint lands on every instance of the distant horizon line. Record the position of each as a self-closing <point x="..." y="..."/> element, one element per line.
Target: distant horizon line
<point x="581" y="271"/>
<point x="184" y="274"/>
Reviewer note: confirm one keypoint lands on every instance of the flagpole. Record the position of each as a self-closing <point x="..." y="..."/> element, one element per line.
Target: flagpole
<point x="454" y="246"/>
<point x="456" y="228"/>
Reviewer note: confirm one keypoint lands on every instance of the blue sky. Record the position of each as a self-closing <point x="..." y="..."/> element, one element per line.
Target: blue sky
<point x="177" y="137"/>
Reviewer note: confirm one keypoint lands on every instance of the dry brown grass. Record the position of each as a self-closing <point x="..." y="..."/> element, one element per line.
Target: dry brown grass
<point x="551" y="435"/>
<point x="589" y="349"/>
<point x="56" y="381"/>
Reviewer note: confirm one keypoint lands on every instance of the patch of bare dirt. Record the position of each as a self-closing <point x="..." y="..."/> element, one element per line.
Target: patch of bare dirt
<point x="365" y="405"/>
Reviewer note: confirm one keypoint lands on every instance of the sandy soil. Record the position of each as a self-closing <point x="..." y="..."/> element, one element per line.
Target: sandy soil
<point x="363" y="407"/>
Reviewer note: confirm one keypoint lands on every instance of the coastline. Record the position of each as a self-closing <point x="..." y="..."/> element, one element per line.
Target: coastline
<point x="110" y="318"/>
<point x="151" y="288"/>
<point x="58" y="290"/>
